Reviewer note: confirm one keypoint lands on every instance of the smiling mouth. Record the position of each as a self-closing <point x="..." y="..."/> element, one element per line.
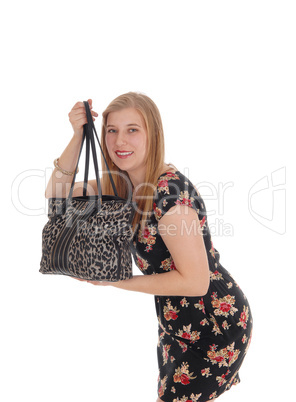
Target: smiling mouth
<point x="123" y="154"/>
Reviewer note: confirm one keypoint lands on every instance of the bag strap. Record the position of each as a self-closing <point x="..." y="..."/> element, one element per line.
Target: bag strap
<point x="92" y="129"/>
<point x="95" y="159"/>
<point x="88" y="130"/>
<point x="86" y="170"/>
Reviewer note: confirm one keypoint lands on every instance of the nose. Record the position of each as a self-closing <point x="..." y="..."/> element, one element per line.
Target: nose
<point x="120" y="139"/>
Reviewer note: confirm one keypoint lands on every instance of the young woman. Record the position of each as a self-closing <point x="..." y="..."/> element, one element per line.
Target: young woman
<point x="205" y="322"/>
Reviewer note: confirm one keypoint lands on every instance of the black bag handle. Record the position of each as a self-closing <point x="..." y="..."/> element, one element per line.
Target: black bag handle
<point x="86" y="170"/>
<point x="91" y="130"/>
<point x="88" y="130"/>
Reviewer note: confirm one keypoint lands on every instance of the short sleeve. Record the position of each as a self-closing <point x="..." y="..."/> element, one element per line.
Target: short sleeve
<point x="174" y="189"/>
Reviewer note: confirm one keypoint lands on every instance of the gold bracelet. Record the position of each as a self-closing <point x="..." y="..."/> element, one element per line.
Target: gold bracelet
<point x="62" y="170"/>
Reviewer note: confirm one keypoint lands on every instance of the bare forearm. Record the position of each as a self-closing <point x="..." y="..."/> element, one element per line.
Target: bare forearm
<point x="167" y="284"/>
<point x="59" y="184"/>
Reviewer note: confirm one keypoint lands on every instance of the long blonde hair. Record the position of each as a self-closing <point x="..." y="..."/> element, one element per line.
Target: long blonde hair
<point x="154" y="159"/>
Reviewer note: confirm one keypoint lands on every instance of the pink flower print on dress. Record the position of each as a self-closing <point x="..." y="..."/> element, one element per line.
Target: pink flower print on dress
<point x="170" y="313"/>
<point x="187" y="334"/>
<point x="223" y="357"/>
<point x="185" y="199"/>
<point x="165" y="353"/>
<point x="141" y="263"/>
<point x="223" y="306"/>
<point x="168" y="264"/>
<point x="163" y="386"/>
<point x="244" y="318"/>
<point x="148" y="236"/>
<point x="182" y="374"/>
<point x="157" y="212"/>
<point x="200" y="305"/>
<point x="163" y="185"/>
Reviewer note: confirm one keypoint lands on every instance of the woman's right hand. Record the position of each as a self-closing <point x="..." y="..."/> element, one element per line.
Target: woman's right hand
<point x="77" y="117"/>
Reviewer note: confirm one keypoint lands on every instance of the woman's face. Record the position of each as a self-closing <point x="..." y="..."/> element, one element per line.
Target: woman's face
<point x="126" y="141"/>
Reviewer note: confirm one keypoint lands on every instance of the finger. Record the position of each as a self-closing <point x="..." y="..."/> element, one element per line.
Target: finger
<point x="81" y="112"/>
<point x="81" y="105"/>
<point x="79" y="120"/>
<point x="98" y="283"/>
<point x="78" y="109"/>
<point x="78" y="105"/>
<point x="78" y="112"/>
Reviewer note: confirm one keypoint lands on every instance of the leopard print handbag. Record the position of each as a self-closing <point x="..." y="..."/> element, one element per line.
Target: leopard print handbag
<point x="88" y="237"/>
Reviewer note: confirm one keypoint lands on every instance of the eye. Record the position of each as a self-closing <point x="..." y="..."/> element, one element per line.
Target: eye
<point x="133" y="130"/>
<point x="111" y="130"/>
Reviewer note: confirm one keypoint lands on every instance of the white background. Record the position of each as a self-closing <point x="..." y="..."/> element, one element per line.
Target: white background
<point x="223" y="76"/>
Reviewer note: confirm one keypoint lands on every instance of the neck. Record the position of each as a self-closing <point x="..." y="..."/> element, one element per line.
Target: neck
<point x="138" y="178"/>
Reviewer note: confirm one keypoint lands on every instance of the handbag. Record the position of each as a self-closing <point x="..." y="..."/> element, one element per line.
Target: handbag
<point x="89" y="236"/>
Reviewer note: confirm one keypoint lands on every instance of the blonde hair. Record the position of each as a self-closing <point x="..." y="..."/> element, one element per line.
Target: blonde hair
<point x="154" y="158"/>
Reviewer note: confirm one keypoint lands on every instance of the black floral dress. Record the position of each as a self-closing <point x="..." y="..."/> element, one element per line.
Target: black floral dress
<point x="202" y="340"/>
